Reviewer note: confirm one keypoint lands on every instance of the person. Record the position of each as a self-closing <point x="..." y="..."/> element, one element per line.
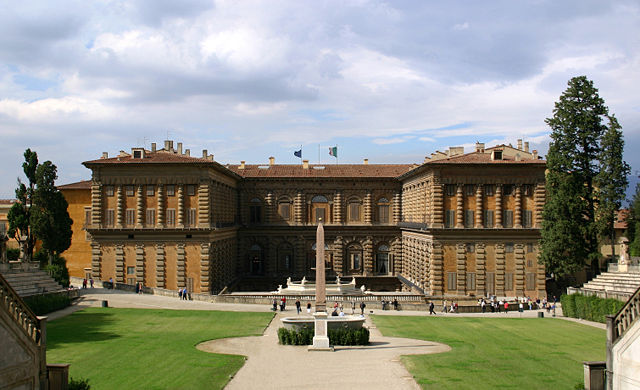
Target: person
<point x="500" y="306"/>
<point x="137" y="288"/>
<point x="444" y="306"/>
<point x="520" y="307"/>
<point x="362" y="306"/>
<point x="91" y="281"/>
<point x="530" y="303"/>
<point x="298" y="306"/>
<point x="283" y="303"/>
<point x="431" y="307"/>
<point x="455" y="307"/>
<point x="334" y="313"/>
<point x="84" y="283"/>
<point x="141" y="288"/>
<point x="275" y="305"/>
<point x="484" y="306"/>
<point x="506" y="307"/>
<point x="308" y="307"/>
<point x="185" y="295"/>
<point x="341" y="314"/>
<point x="353" y="307"/>
<point x="395" y="304"/>
<point x="180" y="294"/>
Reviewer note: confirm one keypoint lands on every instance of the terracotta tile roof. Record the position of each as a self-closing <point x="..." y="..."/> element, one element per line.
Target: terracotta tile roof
<point x="151" y="158"/>
<point x="482" y="158"/>
<point x="81" y="185"/>
<point x="322" y="170"/>
<point x="7" y="201"/>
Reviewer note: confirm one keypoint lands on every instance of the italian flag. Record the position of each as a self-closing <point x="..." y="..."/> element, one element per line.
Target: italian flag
<point x="333" y="151"/>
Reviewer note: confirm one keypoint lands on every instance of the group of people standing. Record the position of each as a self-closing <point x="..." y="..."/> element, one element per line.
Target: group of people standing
<point x="338" y="309"/>
<point x="84" y="282"/>
<point x="183" y="293"/>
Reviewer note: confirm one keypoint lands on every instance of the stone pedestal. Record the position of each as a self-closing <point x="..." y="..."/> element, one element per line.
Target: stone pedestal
<point x="320" y="337"/>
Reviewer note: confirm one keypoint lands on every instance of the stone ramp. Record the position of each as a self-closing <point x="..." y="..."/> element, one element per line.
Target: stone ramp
<point x="273" y="366"/>
<point x="31" y="282"/>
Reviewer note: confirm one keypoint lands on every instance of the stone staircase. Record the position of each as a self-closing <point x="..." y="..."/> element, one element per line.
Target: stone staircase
<point x="31" y="282"/>
<point x="612" y="284"/>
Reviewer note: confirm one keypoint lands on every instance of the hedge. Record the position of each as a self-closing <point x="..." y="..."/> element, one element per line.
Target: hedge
<point x="589" y="308"/>
<point x="304" y="336"/>
<point x="43" y="304"/>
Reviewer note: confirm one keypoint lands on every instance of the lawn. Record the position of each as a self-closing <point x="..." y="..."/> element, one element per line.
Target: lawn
<point x="490" y="353"/>
<point x="149" y="349"/>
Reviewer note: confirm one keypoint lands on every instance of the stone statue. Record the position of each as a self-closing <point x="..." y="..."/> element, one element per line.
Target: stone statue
<point x="279" y="288"/>
<point x="338" y="280"/>
<point x="288" y="281"/>
<point x="362" y="288"/>
<point x="303" y="281"/>
<point x="624" y="249"/>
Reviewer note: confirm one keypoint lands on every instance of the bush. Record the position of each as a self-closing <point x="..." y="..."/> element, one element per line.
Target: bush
<point x="43" y="304"/>
<point x="13" y="254"/>
<point x="304" y="336"/>
<point x="79" y="384"/>
<point x="589" y="308"/>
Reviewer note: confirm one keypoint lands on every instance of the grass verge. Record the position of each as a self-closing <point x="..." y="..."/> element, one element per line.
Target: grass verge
<point x="500" y="353"/>
<point x="149" y="349"/>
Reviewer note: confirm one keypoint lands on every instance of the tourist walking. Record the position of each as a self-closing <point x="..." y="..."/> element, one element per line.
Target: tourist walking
<point x="91" y="281"/>
<point x="506" y="307"/>
<point x="84" y="283"/>
<point x="444" y="306"/>
<point x="283" y="303"/>
<point x="431" y="307"/>
<point x="308" y="307"/>
<point x="180" y="294"/>
<point x="362" y="306"/>
<point x="298" y="306"/>
<point x="275" y="305"/>
<point x="484" y="306"/>
<point x="395" y="304"/>
<point x="500" y="306"/>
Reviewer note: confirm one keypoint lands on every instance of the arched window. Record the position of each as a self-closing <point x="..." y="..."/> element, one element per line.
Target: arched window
<point x="383" y="210"/>
<point x="319" y="209"/>
<point x="255" y="210"/>
<point x="354" y="256"/>
<point x="284" y="209"/>
<point x="355" y="210"/>
<point x="382" y="260"/>
<point x="255" y="259"/>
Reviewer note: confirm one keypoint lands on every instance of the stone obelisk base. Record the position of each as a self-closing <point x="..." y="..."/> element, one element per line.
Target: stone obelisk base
<point x="320" y="338"/>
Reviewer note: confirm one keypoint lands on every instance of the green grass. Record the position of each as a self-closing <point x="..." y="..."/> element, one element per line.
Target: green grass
<point x="500" y="353"/>
<point x="149" y="349"/>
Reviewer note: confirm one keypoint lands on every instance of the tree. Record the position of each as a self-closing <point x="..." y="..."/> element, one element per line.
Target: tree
<point x="40" y="212"/>
<point x="569" y="229"/>
<point x="633" y="223"/>
<point x="611" y="181"/>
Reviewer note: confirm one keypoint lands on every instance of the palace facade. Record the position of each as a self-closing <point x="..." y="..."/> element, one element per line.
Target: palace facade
<point x="457" y="225"/>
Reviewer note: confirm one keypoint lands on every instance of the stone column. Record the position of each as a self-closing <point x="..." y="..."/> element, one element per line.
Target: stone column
<point x="480" y="269"/>
<point x="518" y="208"/>
<point x="368" y="256"/>
<point x="437" y="268"/>
<point x="140" y="214"/>
<point x="160" y="260"/>
<point x="337" y="207"/>
<point x="96" y="204"/>
<point x="397" y="208"/>
<point x="479" y="217"/>
<point x="161" y="207"/>
<point x="498" y="212"/>
<point x="459" y="207"/>
<point x="119" y="207"/>
<point x="140" y="263"/>
<point x="338" y="254"/>
<point x="180" y="221"/>
<point x="120" y="275"/>
<point x="298" y="208"/>
<point x="499" y="269"/>
<point x="461" y="268"/>
<point x="538" y="199"/>
<point x="438" y="205"/>
<point x="204" y="210"/>
<point x="518" y="250"/>
<point x="181" y="265"/>
<point x="96" y="263"/>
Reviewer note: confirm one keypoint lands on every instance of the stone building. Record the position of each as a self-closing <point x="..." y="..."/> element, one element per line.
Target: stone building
<point x="457" y="225"/>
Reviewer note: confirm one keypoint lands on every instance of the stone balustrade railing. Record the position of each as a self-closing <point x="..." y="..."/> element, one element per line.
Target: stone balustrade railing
<point x="18" y="310"/>
<point x="617" y="326"/>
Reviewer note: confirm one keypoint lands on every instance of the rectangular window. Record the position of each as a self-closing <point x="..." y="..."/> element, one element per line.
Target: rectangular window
<point x="507" y="189"/>
<point x="109" y="217"/>
<point x="130" y="215"/>
<point x="191" y="190"/>
<point x="320" y="214"/>
<point x="383" y="213"/>
<point x="255" y="214"/>
<point x="530" y="247"/>
<point x="450" y="189"/>
<point x="508" y="247"/>
<point x="508" y="281"/>
<point x="471" y="281"/>
<point x="529" y="263"/>
<point x="488" y="218"/>
<point x="284" y="209"/>
<point x="354" y="212"/>
<point x="491" y="283"/>
<point x="3" y="227"/>
<point x="87" y="216"/>
<point x="131" y="270"/>
<point x="171" y="190"/>
<point x="449" y="218"/>
<point x="151" y="217"/>
<point x="531" y="281"/>
<point x="151" y="190"/>
<point x="488" y="189"/>
<point x="131" y="281"/>
<point x="507" y="218"/>
<point x="468" y="218"/>
<point x="355" y="260"/>
<point x="108" y="190"/>
<point x="471" y="248"/>
<point x="469" y="189"/>
<point x="452" y="281"/>
<point x="171" y="217"/>
<point x="129" y="190"/>
<point x="527" y="217"/>
<point x="527" y="190"/>
<point x="192" y="217"/>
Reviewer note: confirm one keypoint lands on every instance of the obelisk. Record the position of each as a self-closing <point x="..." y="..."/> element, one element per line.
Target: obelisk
<point x="320" y="336"/>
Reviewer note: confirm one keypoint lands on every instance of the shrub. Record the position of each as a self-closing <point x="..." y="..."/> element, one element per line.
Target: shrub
<point x="589" y="308"/>
<point x="304" y="336"/>
<point x="568" y="305"/>
<point x="79" y="384"/>
<point x="13" y="254"/>
<point x="43" y="304"/>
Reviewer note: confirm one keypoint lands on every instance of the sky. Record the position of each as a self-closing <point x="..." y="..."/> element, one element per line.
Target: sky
<point x="246" y="80"/>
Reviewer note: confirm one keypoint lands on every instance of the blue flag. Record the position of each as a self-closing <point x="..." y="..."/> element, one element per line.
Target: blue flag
<point x="298" y="153"/>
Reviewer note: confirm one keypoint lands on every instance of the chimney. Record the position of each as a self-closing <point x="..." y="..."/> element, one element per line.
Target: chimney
<point x="272" y="161"/>
<point x="520" y="144"/>
<point x="153" y="146"/>
<point x="241" y="165"/>
<point x="305" y="164"/>
<point x="526" y="146"/>
<point x="204" y="153"/>
<point x="105" y="154"/>
<point x="210" y="157"/>
<point x="122" y="153"/>
<point x="480" y="147"/>
<point x="535" y="154"/>
<point x="366" y="161"/>
<point x="167" y="145"/>
<point x="179" y="147"/>
<point x="456" y="150"/>
<point x="187" y="152"/>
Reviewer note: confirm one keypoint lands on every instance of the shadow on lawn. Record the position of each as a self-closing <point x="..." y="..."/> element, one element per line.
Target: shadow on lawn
<point x="80" y="327"/>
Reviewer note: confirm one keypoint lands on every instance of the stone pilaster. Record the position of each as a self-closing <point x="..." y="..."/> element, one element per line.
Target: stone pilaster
<point x="120" y="275"/>
<point x="368" y="256"/>
<point x="96" y="204"/>
<point x="541" y="281"/>
<point x="461" y="268"/>
<point x="140" y="263"/>
<point x="395" y="263"/>
<point x="338" y="253"/>
<point x="368" y="209"/>
<point x="337" y="207"/>
<point x="205" y="267"/>
<point x="518" y="250"/>
<point x="498" y="212"/>
<point x="479" y="223"/>
<point x="538" y="199"/>
<point x="481" y="257"/>
<point x="299" y="208"/>
<point x="140" y="207"/>
<point x="119" y="206"/>
<point x="499" y="248"/>
<point x="437" y="268"/>
<point x="161" y="208"/>
<point x="397" y="208"/>
<point x="518" y="208"/>
<point x="96" y="263"/>
<point x="181" y="265"/>
<point x="204" y="205"/>
<point x="160" y="265"/>
<point x="269" y="204"/>
<point x="180" y="222"/>
<point x="459" y="207"/>
<point x="300" y="255"/>
<point x="438" y="205"/>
